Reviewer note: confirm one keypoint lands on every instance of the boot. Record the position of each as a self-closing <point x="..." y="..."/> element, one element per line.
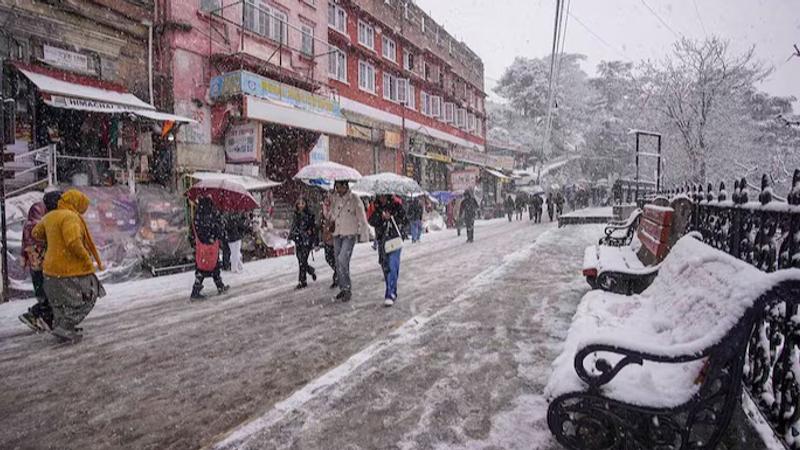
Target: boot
<point x="300" y="285"/>
<point x="223" y="289"/>
<point x="196" y="295"/>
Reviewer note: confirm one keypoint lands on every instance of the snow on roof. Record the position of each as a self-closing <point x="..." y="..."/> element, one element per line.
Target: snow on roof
<point x="634" y="131"/>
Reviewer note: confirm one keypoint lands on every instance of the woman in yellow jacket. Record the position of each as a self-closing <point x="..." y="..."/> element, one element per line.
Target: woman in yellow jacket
<point x="69" y="279"/>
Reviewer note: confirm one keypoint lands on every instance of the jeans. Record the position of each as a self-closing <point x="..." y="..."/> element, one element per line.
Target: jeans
<point x="391" y="272"/>
<point x="470" y="224"/>
<point x="236" y="256"/>
<point x="343" y="250"/>
<point x="330" y="258"/>
<point x="302" y="262"/>
<point x="416" y="230"/>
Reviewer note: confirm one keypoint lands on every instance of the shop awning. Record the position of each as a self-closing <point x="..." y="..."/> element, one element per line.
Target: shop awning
<point x="497" y="174"/>
<point x="287" y="114"/>
<point x="103" y="97"/>
<point x="252" y="184"/>
<point x="433" y="157"/>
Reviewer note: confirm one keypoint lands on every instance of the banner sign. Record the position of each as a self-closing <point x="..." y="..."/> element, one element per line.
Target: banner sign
<point x="65" y="59"/>
<point x="320" y="152"/>
<point x="60" y="101"/>
<point x="248" y="83"/>
<point x="482" y="159"/>
<point x="243" y="143"/>
<point x="461" y="180"/>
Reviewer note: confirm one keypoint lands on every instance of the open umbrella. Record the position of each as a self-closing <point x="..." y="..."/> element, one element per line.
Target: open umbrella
<point x="227" y="195"/>
<point x="327" y="171"/>
<point x="388" y="183"/>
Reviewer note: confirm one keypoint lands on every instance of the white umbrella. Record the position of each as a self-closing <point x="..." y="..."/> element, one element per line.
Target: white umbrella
<point x="327" y="171"/>
<point x="388" y="183"/>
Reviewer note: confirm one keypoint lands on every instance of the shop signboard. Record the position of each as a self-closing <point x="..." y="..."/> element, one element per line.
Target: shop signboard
<point x="243" y="143"/>
<point x="482" y="159"/>
<point x="320" y="152"/>
<point x="391" y="139"/>
<point x="461" y="180"/>
<point x="439" y="157"/>
<point x="65" y="59"/>
<point x="248" y="83"/>
<point x="85" y="104"/>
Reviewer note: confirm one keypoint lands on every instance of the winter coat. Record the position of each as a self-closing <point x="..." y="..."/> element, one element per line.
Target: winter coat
<point x="520" y="203"/>
<point x="236" y="226"/>
<point x="415" y="210"/>
<point x="469" y="208"/>
<point x="509" y="203"/>
<point x="70" y="247"/>
<point x="208" y="225"/>
<point x="384" y="229"/>
<point x="304" y="229"/>
<point x="348" y="216"/>
<point x="33" y="249"/>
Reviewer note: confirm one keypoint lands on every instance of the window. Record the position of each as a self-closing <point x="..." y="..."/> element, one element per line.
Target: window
<point x="436" y="106"/>
<point x="337" y="64"/>
<point x="390" y="87"/>
<point x="366" y="35"/>
<point x="261" y="18"/>
<point x="408" y="60"/>
<point x="366" y="76"/>
<point x="337" y="18"/>
<point x="426" y="70"/>
<point x="479" y="127"/>
<point x="307" y="44"/>
<point x="449" y="112"/>
<point x="411" y="99"/>
<point x="461" y="117"/>
<point x="422" y="23"/>
<point x="425" y="103"/>
<point x="402" y="90"/>
<point x="471" y="122"/>
<point x="210" y="5"/>
<point x="389" y="49"/>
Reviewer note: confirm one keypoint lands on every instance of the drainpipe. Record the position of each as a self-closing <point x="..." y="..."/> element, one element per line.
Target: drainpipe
<point x="149" y="26"/>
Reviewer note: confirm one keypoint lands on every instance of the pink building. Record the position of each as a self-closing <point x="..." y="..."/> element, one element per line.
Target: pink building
<point x="254" y="74"/>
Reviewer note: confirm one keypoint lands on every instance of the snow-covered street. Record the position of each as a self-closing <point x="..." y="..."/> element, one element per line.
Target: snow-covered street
<point x="459" y="362"/>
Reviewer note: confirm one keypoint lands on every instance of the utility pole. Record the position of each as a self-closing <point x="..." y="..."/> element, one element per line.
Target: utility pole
<point x="3" y="225"/>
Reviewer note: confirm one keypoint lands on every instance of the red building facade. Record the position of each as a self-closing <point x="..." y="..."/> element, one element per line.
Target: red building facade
<point x="412" y="94"/>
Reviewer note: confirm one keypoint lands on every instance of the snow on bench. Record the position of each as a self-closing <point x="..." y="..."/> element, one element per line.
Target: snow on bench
<point x="634" y="364"/>
<point x="621" y="234"/>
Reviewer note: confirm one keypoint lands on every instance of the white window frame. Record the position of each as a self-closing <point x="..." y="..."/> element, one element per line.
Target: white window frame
<point x="461" y="117"/>
<point x="338" y="20"/>
<point x="479" y="127"/>
<point x="366" y="35"/>
<point x="208" y="5"/>
<point x="338" y="68"/>
<point x="436" y="106"/>
<point x="366" y="77"/>
<point x="266" y="20"/>
<point x="412" y="99"/>
<point x="307" y="39"/>
<point x="408" y="60"/>
<point x="402" y="90"/>
<point x="449" y="112"/>
<point x="424" y="103"/>
<point x="389" y="48"/>
<point x="390" y="87"/>
<point x="470" y="122"/>
<point x="279" y="25"/>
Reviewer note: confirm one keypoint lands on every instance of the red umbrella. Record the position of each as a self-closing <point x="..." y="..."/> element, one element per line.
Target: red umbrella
<point x="227" y="195"/>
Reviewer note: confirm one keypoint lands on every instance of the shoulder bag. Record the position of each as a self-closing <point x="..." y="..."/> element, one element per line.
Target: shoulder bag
<point x="392" y="245"/>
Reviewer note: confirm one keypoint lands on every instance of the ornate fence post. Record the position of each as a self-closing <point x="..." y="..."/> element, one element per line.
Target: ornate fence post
<point x="736" y="220"/>
<point x="794" y="226"/>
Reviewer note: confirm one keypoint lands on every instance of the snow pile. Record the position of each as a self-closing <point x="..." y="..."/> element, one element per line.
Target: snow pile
<point x="698" y="296"/>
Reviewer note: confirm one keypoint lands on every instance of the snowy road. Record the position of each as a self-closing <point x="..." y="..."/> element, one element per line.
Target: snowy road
<point x="459" y="363"/>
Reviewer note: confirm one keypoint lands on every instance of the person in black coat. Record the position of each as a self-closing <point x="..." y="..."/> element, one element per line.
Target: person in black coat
<point x="415" y="211"/>
<point x="208" y="229"/>
<point x="304" y="235"/>
<point x="509" y="205"/>
<point x="467" y="214"/>
<point x="389" y="220"/>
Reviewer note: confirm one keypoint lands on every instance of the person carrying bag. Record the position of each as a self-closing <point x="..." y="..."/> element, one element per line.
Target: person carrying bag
<point x="389" y="221"/>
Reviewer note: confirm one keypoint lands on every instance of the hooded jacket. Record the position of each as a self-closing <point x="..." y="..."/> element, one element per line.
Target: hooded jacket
<point x="70" y="247"/>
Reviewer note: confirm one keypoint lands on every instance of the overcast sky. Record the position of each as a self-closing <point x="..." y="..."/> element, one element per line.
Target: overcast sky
<point x="499" y="30"/>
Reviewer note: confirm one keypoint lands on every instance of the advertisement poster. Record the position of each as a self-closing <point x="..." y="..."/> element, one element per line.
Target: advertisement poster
<point x="320" y="152"/>
<point x="243" y="143"/>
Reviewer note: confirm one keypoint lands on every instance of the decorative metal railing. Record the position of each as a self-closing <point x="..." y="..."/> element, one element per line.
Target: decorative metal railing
<point x="764" y="230"/>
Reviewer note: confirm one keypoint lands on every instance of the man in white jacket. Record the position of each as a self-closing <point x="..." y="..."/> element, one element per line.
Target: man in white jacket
<point x="349" y="222"/>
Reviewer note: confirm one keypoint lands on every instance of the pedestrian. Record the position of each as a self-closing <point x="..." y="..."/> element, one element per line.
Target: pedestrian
<point x="538" y="202"/>
<point x="519" y="205"/>
<point x="550" y="206"/>
<point x="415" y="211"/>
<point x="39" y="316"/>
<point x="389" y="220"/>
<point x="467" y="213"/>
<point x="236" y="226"/>
<point x="457" y="215"/>
<point x="208" y="232"/>
<point x="304" y="235"/>
<point x="509" y="205"/>
<point x="559" y="204"/>
<point x="326" y="236"/>
<point x="70" y="283"/>
<point x="348" y="224"/>
<point x="532" y="208"/>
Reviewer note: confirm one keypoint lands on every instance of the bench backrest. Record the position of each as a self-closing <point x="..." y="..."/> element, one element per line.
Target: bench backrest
<point x="700" y="293"/>
<point x="654" y="232"/>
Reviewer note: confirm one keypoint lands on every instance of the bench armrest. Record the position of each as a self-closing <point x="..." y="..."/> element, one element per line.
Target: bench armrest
<point x="629" y="356"/>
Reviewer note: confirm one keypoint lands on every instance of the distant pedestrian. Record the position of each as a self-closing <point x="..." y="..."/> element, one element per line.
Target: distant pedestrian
<point x="467" y="214"/>
<point x="509" y="205"/>
<point x="550" y="206"/>
<point x="519" y="205"/>
<point x="236" y="227"/>
<point x="39" y="316"/>
<point x="304" y="235"/>
<point x="459" y="221"/>
<point x="415" y="211"/>
<point x="538" y="203"/>
<point x="326" y="237"/>
<point x="208" y="233"/>
<point x="348" y="224"/>
<point x="389" y="220"/>
<point x="69" y="265"/>
<point x="559" y="204"/>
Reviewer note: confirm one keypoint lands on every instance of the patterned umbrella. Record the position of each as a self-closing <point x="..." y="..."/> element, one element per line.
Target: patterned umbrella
<point x="327" y="171"/>
<point x="227" y="195"/>
<point x="388" y="183"/>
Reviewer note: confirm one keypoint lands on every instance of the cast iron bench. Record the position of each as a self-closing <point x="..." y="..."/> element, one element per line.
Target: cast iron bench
<point x="621" y="234"/>
<point x="663" y="370"/>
